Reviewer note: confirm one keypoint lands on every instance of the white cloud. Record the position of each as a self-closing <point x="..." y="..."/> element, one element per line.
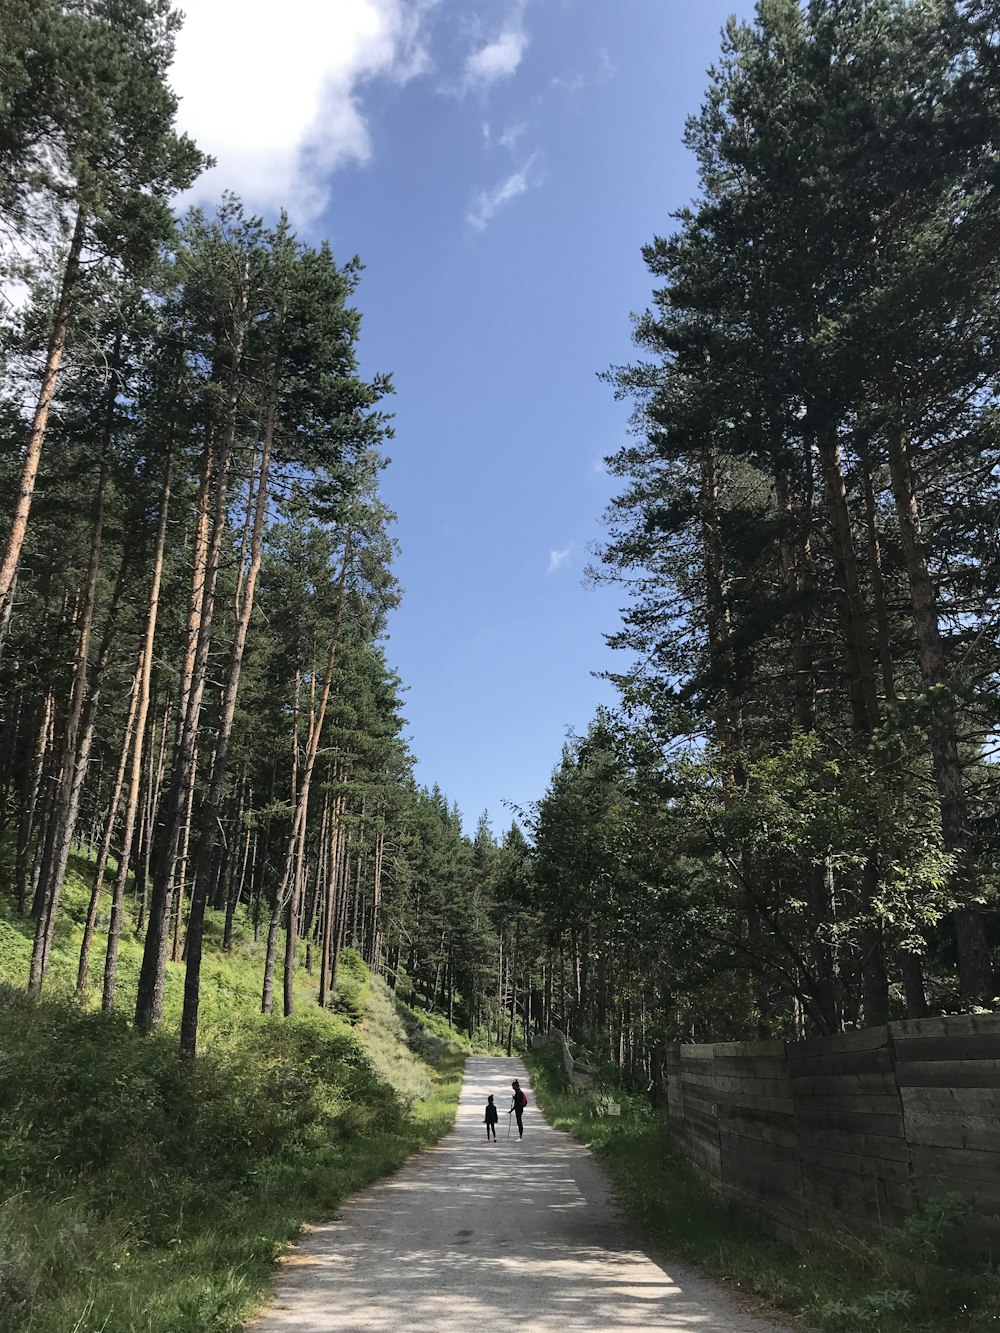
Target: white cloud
<point x="511" y="135"/>
<point x="557" y="559"/>
<point x="606" y="67"/>
<point x="487" y="203"/>
<point x="573" y="83"/>
<point x="497" y="59"/>
<point x="275" y="96"/>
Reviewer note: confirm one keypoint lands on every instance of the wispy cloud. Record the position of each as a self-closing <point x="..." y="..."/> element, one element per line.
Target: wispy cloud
<point x="511" y="135"/>
<point x="606" y="67"/>
<point x="605" y="71"/>
<point x="558" y="559"/>
<point x="281" y="114"/>
<point x="499" y="58"/>
<point x="570" y="84"/>
<point x="487" y="203"/>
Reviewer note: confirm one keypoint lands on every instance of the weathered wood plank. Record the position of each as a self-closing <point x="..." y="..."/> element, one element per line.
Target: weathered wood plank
<point x="979" y="1103"/>
<point x="874" y="1103"/>
<point x="953" y="1132"/>
<point x="945" y="1025"/>
<point x="868" y="1145"/>
<point x="878" y="1081"/>
<point x="948" y="1074"/>
<point x="979" y="1046"/>
<point x="860" y="1122"/>
<point x="887" y="1168"/>
<point x="853" y="1062"/>
<point x="864" y="1039"/>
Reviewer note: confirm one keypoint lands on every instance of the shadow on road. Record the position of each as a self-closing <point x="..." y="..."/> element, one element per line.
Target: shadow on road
<point x="472" y="1235"/>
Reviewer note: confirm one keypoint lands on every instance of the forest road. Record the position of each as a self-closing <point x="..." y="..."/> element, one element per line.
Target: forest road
<point x="470" y="1237"/>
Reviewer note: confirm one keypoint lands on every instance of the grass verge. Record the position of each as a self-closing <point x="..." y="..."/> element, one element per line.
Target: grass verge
<point x="143" y="1193"/>
<point x="846" y="1285"/>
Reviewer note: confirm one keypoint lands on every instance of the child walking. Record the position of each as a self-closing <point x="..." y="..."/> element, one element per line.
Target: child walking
<point x="492" y="1115"/>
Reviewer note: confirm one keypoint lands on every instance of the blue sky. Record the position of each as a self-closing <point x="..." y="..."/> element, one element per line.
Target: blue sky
<point x="498" y="167"/>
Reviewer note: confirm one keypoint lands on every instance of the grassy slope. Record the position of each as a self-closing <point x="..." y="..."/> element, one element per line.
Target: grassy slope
<point x="848" y="1286"/>
<point x="139" y="1191"/>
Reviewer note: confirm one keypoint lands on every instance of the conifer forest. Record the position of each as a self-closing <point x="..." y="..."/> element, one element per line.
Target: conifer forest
<point x="788" y="824"/>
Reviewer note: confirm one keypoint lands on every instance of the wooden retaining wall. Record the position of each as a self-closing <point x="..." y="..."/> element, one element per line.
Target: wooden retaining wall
<point x="856" y="1130"/>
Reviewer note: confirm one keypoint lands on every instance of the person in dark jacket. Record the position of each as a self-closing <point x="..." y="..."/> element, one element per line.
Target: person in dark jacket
<point x="517" y="1104"/>
<point x="492" y="1116"/>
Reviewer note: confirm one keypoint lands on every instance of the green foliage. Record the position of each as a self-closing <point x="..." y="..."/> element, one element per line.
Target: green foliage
<point x="142" y="1189"/>
<point x="878" y="1313"/>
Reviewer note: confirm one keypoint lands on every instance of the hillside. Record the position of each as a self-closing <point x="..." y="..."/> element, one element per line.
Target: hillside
<point x="138" y="1185"/>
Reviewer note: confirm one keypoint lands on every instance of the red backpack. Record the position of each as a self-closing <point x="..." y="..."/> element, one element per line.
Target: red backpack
<point x="524" y="1100"/>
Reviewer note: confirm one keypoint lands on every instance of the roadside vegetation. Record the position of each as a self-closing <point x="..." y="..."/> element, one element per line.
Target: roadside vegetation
<point x="844" y="1285"/>
<point x="140" y="1189"/>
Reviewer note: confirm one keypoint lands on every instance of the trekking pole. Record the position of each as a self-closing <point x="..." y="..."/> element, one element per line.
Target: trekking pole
<point x="509" y="1114"/>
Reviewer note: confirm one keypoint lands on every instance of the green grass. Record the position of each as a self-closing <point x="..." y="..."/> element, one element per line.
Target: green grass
<point x="144" y="1193"/>
<point x="847" y="1285"/>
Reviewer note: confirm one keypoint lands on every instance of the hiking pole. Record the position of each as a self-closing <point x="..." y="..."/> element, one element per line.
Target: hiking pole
<point x="509" y="1114"/>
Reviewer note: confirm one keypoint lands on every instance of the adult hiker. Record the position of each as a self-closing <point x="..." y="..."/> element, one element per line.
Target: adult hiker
<point x="517" y="1104"/>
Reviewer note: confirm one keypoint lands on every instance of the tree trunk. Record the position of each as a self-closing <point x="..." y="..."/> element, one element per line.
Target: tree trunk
<point x="83" y="970"/>
<point x="180" y="877"/>
<point x="330" y="899"/>
<point x="33" y="454"/>
<point x="27" y="820"/>
<point x="286" y="883"/>
<point x="294" y="903"/>
<point x="975" y="971"/>
<point x="210" y="822"/>
<point x="860" y="664"/>
<point x="144" y="667"/>
<point x="62" y="816"/>
<point x="149" y="1000"/>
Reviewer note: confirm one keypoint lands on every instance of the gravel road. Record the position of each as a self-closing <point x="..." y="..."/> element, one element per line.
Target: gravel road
<point x="473" y="1236"/>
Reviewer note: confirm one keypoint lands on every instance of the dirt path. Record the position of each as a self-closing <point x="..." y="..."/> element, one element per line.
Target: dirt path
<point x="470" y="1237"/>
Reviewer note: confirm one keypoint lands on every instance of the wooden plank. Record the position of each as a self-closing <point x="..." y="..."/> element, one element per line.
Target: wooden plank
<point x="980" y="1046"/>
<point x="980" y="1103"/>
<point x="697" y="1052"/>
<point x="852" y="1205"/>
<point x="867" y="1185"/>
<point x="945" y="1025"/>
<point x="786" y="1213"/>
<point x="878" y="1081"/>
<point x="864" y="1039"/>
<point x="753" y="1131"/>
<point x="875" y="1103"/>
<point x="732" y="1087"/>
<point x="955" y="1161"/>
<point x="868" y="1145"/>
<point x="949" y="1074"/>
<point x="853" y="1062"/>
<point x="824" y="1220"/>
<point x="751" y="1050"/>
<point x="761" y="1156"/>
<point x="887" y="1168"/>
<point x="953" y="1132"/>
<point x="860" y="1122"/>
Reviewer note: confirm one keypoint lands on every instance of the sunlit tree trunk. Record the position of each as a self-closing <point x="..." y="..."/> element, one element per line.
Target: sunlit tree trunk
<point x="144" y="668"/>
<point x="36" y="440"/>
